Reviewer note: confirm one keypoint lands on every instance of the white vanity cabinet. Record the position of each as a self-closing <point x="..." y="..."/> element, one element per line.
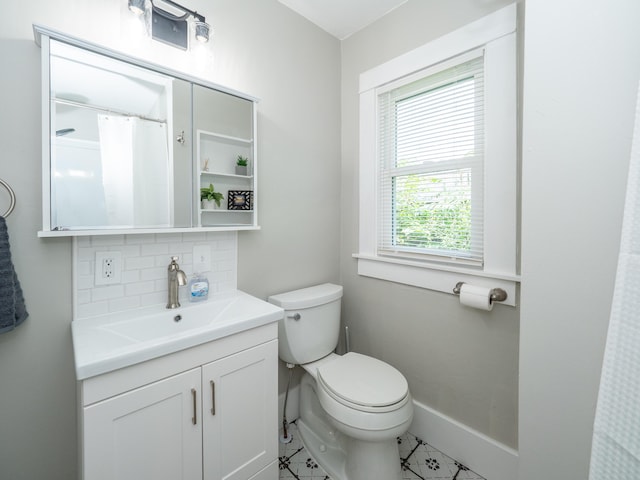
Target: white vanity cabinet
<point x="208" y="412"/>
<point x="240" y="428"/>
<point x="145" y="433"/>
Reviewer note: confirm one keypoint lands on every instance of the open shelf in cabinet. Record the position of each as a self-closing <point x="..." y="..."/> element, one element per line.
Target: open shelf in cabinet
<point x="217" y="155"/>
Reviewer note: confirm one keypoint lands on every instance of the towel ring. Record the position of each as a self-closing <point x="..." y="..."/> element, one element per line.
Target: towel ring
<point x="13" y="198"/>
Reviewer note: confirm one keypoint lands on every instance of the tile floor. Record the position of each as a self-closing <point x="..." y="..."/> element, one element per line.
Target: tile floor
<point x="419" y="461"/>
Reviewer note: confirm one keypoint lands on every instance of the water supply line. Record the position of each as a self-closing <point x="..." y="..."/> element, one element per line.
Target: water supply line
<point x="286" y="435"/>
<point x="347" y="339"/>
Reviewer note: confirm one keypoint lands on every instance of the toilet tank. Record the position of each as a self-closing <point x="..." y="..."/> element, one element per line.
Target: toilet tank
<point x="311" y="323"/>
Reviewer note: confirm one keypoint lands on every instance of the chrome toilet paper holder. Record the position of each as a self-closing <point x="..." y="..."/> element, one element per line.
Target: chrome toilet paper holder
<point x="495" y="294"/>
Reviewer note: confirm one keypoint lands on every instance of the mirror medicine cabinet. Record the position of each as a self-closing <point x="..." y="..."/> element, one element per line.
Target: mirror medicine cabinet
<point x="128" y="146"/>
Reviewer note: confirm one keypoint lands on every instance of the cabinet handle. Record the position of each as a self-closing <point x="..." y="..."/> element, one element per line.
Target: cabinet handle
<point x="213" y="398"/>
<point x="194" y="419"/>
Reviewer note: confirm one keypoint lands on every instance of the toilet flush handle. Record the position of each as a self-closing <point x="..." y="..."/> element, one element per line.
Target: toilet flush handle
<point x="295" y="316"/>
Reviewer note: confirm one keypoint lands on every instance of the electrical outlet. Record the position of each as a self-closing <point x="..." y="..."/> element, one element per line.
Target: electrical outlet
<point x="108" y="268"/>
<point x="201" y="258"/>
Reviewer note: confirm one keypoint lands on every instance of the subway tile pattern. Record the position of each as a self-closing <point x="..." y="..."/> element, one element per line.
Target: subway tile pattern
<point x="145" y="259"/>
<point x="418" y="461"/>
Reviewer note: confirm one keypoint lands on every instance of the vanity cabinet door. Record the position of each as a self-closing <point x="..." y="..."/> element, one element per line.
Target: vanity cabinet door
<point x="240" y="403"/>
<point x="147" y="433"/>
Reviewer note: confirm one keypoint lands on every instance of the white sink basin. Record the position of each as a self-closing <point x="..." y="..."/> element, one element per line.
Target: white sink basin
<point x="108" y="342"/>
<point x="148" y="326"/>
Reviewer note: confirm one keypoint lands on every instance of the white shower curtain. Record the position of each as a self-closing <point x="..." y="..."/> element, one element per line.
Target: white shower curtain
<point x="616" y="438"/>
<point x="135" y="171"/>
<point x="153" y="190"/>
<point x="116" y="150"/>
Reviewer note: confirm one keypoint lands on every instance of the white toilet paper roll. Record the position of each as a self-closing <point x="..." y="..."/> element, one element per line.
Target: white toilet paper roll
<point x="476" y="297"/>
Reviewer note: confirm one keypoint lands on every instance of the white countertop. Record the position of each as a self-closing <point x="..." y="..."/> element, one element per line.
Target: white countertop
<point x="108" y="342"/>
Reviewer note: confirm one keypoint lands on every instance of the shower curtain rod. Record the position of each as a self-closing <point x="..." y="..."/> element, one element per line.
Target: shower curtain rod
<point x="107" y="110"/>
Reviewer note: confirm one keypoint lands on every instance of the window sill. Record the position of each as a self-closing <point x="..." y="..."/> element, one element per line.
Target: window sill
<point x="441" y="278"/>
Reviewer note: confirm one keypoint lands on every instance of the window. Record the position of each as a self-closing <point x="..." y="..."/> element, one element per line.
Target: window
<point x="438" y="161"/>
<point x="431" y="156"/>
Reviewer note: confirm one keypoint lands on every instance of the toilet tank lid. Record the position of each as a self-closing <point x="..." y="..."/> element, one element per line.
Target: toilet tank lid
<point x="307" y="297"/>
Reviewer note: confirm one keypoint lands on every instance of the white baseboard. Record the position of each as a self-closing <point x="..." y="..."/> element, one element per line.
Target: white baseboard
<point x="483" y="455"/>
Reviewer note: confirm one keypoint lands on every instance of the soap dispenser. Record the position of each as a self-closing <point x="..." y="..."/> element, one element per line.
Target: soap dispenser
<point x="198" y="288"/>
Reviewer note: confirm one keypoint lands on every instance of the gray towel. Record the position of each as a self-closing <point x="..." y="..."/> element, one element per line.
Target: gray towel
<point x="12" y="309"/>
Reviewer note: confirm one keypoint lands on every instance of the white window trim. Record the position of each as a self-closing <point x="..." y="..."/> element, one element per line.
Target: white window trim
<point x="496" y="34"/>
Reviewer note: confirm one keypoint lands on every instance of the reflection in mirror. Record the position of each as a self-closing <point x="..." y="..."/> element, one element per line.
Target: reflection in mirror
<point x="111" y="150"/>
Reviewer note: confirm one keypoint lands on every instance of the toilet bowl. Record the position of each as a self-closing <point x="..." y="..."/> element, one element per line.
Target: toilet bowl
<point x="368" y="398"/>
<point x="352" y="407"/>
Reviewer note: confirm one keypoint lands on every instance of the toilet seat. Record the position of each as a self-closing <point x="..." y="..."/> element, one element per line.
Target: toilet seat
<point x="363" y="396"/>
<point x="363" y="383"/>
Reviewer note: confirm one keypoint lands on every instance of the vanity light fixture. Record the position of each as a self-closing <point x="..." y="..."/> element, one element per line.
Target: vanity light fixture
<point x="172" y="26"/>
<point x="202" y="31"/>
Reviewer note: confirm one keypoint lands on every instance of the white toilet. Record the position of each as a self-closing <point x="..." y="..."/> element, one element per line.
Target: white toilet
<point x="352" y="407"/>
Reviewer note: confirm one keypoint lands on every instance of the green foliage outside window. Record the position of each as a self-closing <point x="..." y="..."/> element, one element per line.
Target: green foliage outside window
<point x="431" y="213"/>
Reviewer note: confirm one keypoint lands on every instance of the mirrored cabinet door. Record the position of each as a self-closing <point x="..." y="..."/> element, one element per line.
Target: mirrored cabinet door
<point x="225" y="153"/>
<point x="129" y="147"/>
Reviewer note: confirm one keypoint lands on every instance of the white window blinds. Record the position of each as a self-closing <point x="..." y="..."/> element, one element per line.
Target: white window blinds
<point x="431" y="143"/>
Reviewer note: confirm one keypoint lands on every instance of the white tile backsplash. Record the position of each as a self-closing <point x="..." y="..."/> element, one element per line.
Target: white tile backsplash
<point x="144" y="268"/>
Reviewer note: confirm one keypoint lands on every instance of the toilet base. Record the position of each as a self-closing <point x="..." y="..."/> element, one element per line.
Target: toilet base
<point x="328" y="454"/>
<point x="359" y="464"/>
<point x="343" y="457"/>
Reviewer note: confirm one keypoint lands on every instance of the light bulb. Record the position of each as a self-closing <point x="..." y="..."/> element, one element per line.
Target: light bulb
<point x="202" y="31"/>
<point x="137" y="6"/>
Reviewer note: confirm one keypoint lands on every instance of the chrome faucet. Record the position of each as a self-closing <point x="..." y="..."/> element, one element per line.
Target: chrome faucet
<point x="176" y="277"/>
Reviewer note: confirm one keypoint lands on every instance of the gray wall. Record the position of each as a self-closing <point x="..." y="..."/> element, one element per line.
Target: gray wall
<point x="461" y="362"/>
<point x="259" y="47"/>
<point x="37" y="392"/>
<point x="581" y="82"/>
